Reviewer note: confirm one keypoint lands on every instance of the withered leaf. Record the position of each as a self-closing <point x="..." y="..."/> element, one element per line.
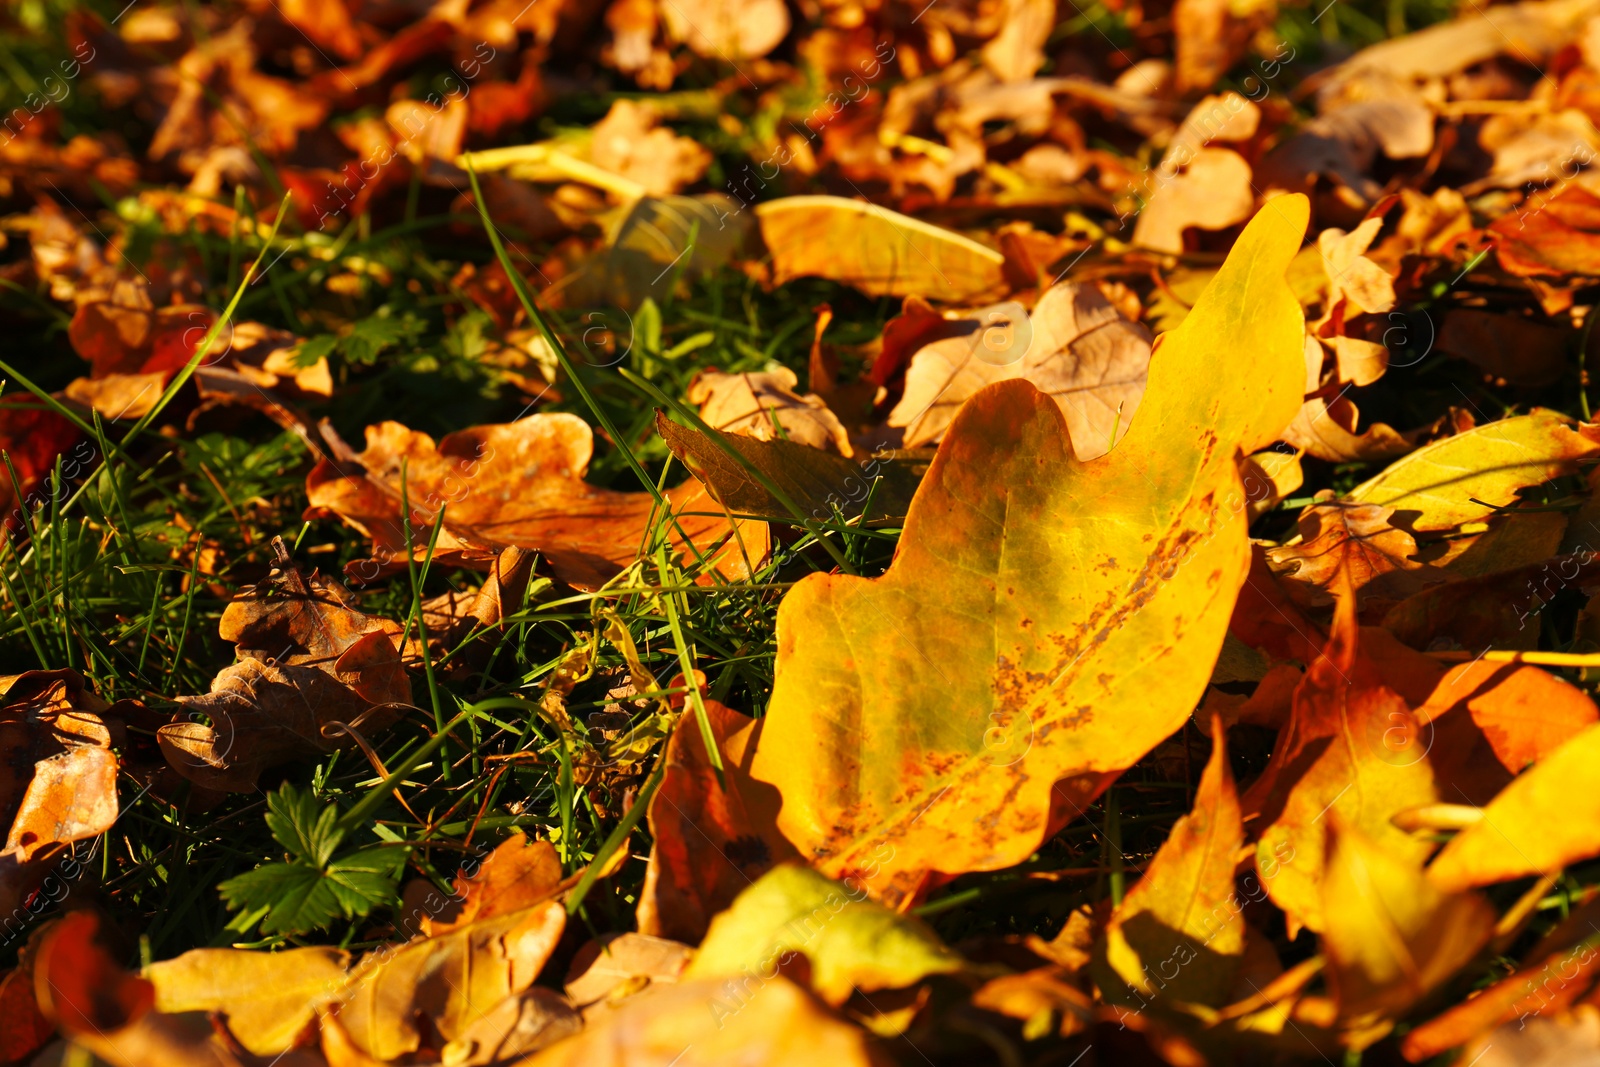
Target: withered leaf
<point x="1074" y="346"/>
<point x="816" y="481"/>
<point x="520" y="484"/>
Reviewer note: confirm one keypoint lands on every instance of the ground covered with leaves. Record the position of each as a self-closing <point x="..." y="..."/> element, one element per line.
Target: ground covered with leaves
<point x="701" y="531"/>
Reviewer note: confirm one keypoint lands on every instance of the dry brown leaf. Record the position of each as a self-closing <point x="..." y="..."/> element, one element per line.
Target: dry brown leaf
<point x="728" y="30"/>
<point x="1074" y="347"/>
<point x="58" y="774"/>
<point x="445" y="984"/>
<point x="1212" y="192"/>
<point x="710" y="842"/>
<point x="1353" y="750"/>
<point x="764" y="405"/>
<point x="519" y="485"/>
<point x="1555" y="234"/>
<point x="1358" y="540"/>
<point x="312" y="669"/>
<point x="1017" y="52"/>
<point x="618" y="966"/>
<point x="1327" y="431"/>
<point x="1212" y="35"/>
<point x="629" y="142"/>
<point x="712" y="1022"/>
<point x="518" y="874"/>
<point x="1520" y="350"/>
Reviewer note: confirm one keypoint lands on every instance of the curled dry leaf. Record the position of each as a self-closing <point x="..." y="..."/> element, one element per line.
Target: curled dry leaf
<point x="1390" y="935"/>
<point x="1353" y="749"/>
<point x="712" y="1022"/>
<point x="58" y="775"/>
<point x="1212" y="192"/>
<point x="1182" y="916"/>
<point x="948" y="759"/>
<point x="1075" y="347"/>
<point x="850" y="941"/>
<point x="33" y="436"/>
<point x="443" y="985"/>
<point x="880" y="252"/>
<point x="711" y="839"/>
<point x="519" y="485"/>
<point x="1540" y="823"/>
<point x="764" y="405"/>
<point x="1327" y="430"/>
<point x="313" y="668"/>
<point x="1359" y="541"/>
<point x="518" y="874"/>
<point x="629" y="142"/>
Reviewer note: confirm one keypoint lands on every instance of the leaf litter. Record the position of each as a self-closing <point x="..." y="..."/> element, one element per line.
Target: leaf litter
<point x="989" y="533"/>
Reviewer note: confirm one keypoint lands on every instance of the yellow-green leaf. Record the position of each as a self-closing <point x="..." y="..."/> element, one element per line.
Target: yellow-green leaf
<point x="1045" y="620"/>
<point x="1434" y="487"/>
<point x="852" y="942"/>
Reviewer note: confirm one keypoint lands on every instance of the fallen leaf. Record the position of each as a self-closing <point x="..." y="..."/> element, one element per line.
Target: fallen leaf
<point x="312" y="670"/>
<point x="518" y="874"/>
<point x="1556" y="235"/>
<point x="1017" y="51"/>
<point x="444" y="984"/>
<point x="1212" y="192"/>
<point x="1391" y="935"/>
<point x="1182" y="915"/>
<point x="517" y="1026"/>
<point x="1327" y="431"/>
<point x="58" y="773"/>
<point x="623" y="964"/>
<point x="711" y="839"/>
<point x="33" y="437"/>
<point x="1212" y="35"/>
<point x="1358" y="541"/>
<point x="629" y="142"/>
<point x="880" y="252"/>
<point x="713" y="1022"/>
<point x="727" y="29"/>
<point x="1354" y="751"/>
<point x="1434" y="487"/>
<point x="1074" y="346"/>
<point x="655" y="244"/>
<point x="1563" y="970"/>
<point x="266" y="999"/>
<point x="519" y="485"/>
<point x="851" y="942"/>
<point x="1521" y="350"/>
<point x="765" y="406"/>
<point x="948" y="760"/>
<point x="1540" y="823"/>
<point x="1561" y="1042"/>
<point x="814" y="480"/>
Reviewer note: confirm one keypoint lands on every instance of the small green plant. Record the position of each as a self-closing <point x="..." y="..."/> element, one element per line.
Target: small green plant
<point x="312" y="887"/>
